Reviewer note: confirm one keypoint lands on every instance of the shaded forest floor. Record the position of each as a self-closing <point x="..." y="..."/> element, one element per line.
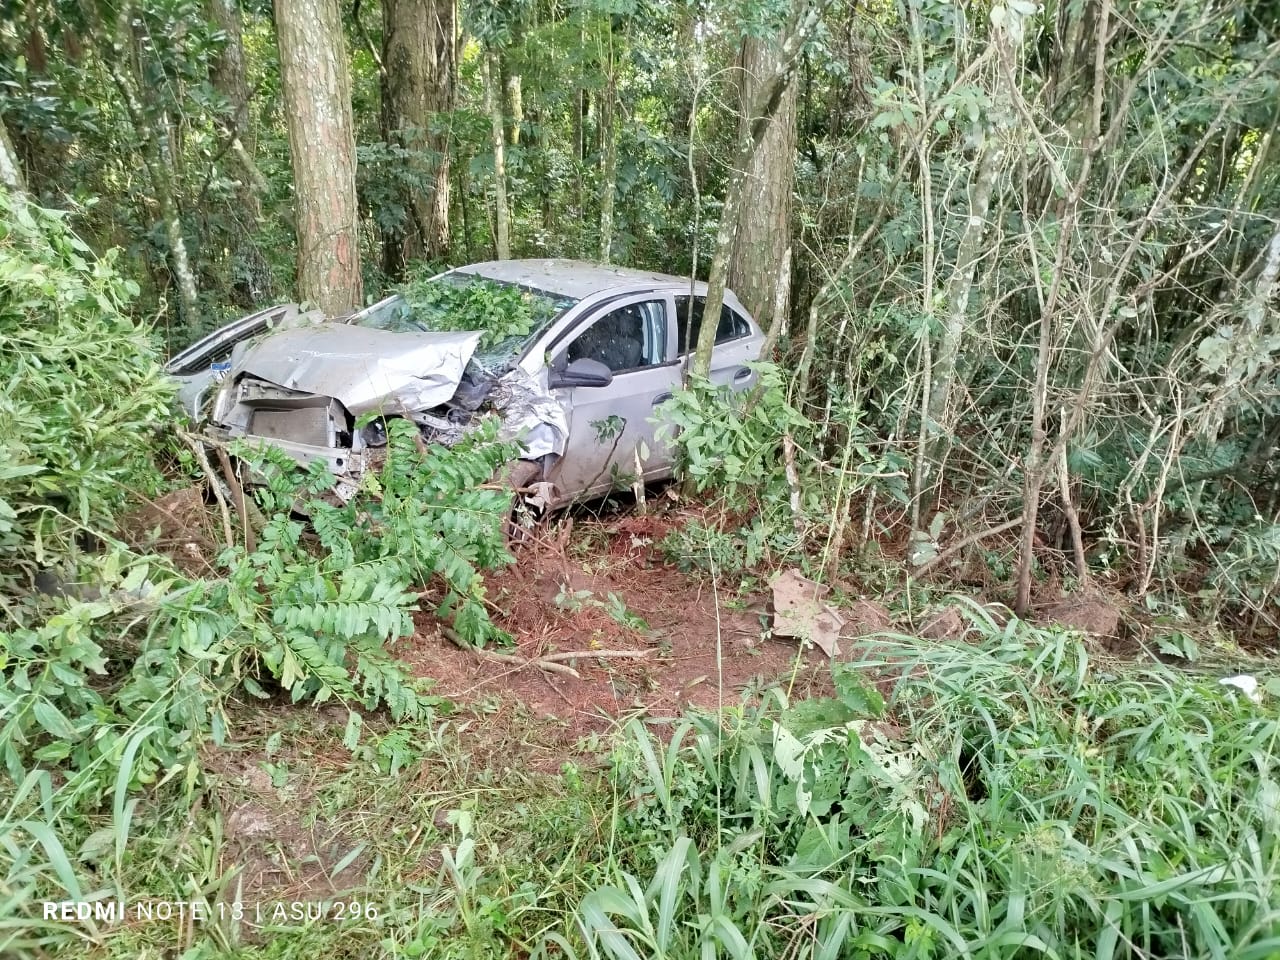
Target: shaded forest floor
<point x="649" y="641"/>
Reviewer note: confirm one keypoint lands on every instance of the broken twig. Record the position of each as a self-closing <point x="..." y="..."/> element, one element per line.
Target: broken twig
<point x="508" y="658"/>
<point x="197" y="447"/>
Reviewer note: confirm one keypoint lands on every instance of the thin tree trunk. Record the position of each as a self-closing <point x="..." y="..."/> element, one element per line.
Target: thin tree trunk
<point x="609" y="173"/>
<point x="493" y="104"/>
<point x="935" y="428"/>
<point x="317" y="100"/>
<point x="515" y="106"/>
<point x="1035" y="469"/>
<point x="768" y="99"/>
<point x="159" y="163"/>
<point x="10" y="169"/>
<point x="227" y="74"/>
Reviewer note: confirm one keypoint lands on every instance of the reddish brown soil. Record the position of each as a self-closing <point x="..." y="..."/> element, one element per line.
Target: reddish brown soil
<point x="697" y="648"/>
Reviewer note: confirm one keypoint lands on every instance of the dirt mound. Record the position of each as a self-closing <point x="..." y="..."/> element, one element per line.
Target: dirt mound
<point x="649" y="640"/>
<point x="1088" y="614"/>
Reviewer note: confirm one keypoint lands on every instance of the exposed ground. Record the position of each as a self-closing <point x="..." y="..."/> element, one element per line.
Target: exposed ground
<point x="298" y="815"/>
<point x="654" y="640"/>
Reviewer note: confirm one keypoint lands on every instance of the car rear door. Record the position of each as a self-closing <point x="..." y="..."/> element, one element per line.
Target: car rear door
<point x="737" y="342"/>
<point x="609" y="427"/>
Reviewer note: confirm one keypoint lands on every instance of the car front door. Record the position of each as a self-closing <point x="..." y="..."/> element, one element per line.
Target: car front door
<point x="610" y="427"/>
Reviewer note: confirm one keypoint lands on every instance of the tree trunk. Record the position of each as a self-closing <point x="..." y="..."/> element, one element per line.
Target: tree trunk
<point x="317" y="100"/>
<point x="764" y="219"/>
<point x="154" y="139"/>
<point x="418" y="54"/>
<point x="493" y="104"/>
<point x="936" y="428"/>
<point x="1035" y="466"/>
<point x="227" y="74"/>
<point x="227" y="70"/>
<point x="769" y="96"/>
<point x="515" y="106"/>
<point x="609" y="160"/>
<point x="10" y="169"/>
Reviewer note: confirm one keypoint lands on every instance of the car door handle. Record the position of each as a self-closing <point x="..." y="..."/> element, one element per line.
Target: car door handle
<point x="661" y="398"/>
<point x="742" y="374"/>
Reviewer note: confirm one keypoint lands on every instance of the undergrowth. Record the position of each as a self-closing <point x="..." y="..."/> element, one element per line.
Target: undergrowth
<point x="759" y="465"/>
<point x="115" y="666"/>
<point x="1011" y="799"/>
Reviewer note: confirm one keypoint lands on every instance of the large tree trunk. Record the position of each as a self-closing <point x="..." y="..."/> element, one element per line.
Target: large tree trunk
<point x="419" y="40"/>
<point x="493" y="104"/>
<point x="764" y="218"/>
<point x="317" y="99"/>
<point x="769" y="95"/>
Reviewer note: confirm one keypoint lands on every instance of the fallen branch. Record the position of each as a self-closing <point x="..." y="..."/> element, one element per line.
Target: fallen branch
<point x="237" y="494"/>
<point x="197" y="447"/>
<point x="510" y="659"/>
<point x="973" y="538"/>
<point x="561" y="656"/>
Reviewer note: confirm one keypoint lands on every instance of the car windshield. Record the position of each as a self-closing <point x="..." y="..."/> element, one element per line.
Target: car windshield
<point x="509" y="316"/>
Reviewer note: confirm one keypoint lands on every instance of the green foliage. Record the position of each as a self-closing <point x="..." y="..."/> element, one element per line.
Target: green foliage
<point x="1039" y="802"/>
<point x="80" y="388"/>
<point x="733" y="448"/>
<point x="318" y="618"/>
<point x="504" y="313"/>
<point x="730" y="443"/>
<point x="113" y="679"/>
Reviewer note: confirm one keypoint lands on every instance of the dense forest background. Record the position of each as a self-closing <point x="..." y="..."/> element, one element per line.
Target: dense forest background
<point x="1018" y="259"/>
<point x="1018" y="263"/>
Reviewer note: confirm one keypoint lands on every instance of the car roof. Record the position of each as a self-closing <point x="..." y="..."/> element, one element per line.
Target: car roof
<point x="574" y="278"/>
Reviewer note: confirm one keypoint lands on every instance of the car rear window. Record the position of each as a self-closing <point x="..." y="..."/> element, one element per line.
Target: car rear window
<point x="732" y="326"/>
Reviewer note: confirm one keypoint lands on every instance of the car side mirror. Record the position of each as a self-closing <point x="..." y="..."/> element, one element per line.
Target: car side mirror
<point x="583" y="372"/>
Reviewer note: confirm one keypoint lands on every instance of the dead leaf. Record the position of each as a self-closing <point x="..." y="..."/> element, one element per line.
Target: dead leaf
<point x="800" y="611"/>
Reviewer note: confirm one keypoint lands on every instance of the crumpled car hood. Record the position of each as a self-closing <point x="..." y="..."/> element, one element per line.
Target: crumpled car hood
<point x="364" y="369"/>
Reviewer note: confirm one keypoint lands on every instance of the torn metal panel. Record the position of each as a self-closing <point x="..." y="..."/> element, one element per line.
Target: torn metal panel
<point x="366" y="370"/>
<point x="530" y="414"/>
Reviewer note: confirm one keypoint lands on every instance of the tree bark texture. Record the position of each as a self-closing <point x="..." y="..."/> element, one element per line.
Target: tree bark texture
<point x="228" y="76"/>
<point x="419" y="46"/>
<point x="768" y="98"/>
<point x="493" y="103"/>
<point x="227" y="70"/>
<point x="764" y="218"/>
<point x="10" y="169"/>
<point x="317" y="99"/>
<point x="609" y="161"/>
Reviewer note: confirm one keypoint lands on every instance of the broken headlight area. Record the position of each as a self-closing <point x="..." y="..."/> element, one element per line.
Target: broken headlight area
<point x="259" y="410"/>
<point x="445" y="425"/>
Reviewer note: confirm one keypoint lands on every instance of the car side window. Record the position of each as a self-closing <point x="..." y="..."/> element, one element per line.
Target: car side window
<point x="732" y="324"/>
<point x="628" y="338"/>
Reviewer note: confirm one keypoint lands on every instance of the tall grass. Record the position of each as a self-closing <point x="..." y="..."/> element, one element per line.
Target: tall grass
<point x="1016" y="799"/>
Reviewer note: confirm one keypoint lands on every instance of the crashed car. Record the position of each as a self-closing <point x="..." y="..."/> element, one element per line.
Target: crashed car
<point x="578" y="391"/>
